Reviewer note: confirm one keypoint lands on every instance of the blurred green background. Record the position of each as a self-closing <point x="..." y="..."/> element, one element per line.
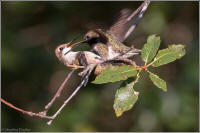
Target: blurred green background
<point x="31" y="73"/>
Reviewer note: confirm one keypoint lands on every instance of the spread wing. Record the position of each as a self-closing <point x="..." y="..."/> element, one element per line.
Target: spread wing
<point x="119" y="27"/>
<point x="125" y="23"/>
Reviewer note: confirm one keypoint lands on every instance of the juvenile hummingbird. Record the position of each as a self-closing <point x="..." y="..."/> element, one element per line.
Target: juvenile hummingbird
<point x="78" y="59"/>
<point x="108" y="43"/>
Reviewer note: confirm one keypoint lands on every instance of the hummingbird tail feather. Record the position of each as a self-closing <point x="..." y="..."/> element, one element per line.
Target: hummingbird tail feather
<point x="130" y="54"/>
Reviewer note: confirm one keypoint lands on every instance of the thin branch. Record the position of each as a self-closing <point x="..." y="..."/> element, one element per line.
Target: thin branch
<point x="85" y="79"/>
<point x="57" y="93"/>
<point x="65" y="103"/>
<point x="26" y="112"/>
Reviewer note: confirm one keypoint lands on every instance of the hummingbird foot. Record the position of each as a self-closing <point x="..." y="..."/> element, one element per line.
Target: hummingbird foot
<point x="85" y="70"/>
<point x="86" y="73"/>
<point x="82" y="73"/>
<point x="75" y="66"/>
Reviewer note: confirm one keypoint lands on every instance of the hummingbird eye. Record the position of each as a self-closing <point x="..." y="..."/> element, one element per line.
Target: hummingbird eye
<point x="88" y="37"/>
<point x="61" y="48"/>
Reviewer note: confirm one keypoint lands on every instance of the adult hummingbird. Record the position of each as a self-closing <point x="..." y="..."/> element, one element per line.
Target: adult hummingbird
<point x="109" y="43"/>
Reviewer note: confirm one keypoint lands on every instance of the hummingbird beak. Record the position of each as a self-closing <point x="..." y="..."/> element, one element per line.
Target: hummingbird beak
<point x="76" y="44"/>
<point x="72" y="46"/>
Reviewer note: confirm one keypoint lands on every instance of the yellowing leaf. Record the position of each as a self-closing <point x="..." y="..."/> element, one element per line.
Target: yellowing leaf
<point x="115" y="73"/>
<point x="158" y="82"/>
<point x="125" y="98"/>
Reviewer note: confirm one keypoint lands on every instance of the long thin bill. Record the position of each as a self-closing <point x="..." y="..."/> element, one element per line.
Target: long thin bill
<point x="77" y="43"/>
<point x="76" y="37"/>
<point x="74" y="45"/>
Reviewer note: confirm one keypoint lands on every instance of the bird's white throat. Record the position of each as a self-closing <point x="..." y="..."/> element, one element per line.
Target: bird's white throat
<point x="70" y="57"/>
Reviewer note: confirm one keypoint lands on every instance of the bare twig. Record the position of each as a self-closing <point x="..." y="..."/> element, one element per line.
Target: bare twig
<point x="57" y="93"/>
<point x="85" y="79"/>
<point x="26" y="112"/>
<point x="65" y="103"/>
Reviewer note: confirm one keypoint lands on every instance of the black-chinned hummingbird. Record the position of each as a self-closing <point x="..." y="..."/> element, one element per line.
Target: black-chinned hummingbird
<point x="108" y="43"/>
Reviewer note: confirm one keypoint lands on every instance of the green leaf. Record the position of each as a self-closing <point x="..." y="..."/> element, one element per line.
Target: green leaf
<point x="168" y="55"/>
<point x="115" y="73"/>
<point x="125" y="98"/>
<point x="158" y="82"/>
<point x="150" y="48"/>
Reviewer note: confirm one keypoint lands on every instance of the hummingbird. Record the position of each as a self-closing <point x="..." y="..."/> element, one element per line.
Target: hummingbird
<point x="109" y="43"/>
<point x="79" y="59"/>
<point x="82" y="59"/>
<point x="106" y="45"/>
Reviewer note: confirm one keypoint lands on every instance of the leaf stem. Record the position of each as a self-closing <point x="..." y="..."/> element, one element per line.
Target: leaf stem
<point x="137" y="78"/>
<point x="149" y="71"/>
<point x="151" y="63"/>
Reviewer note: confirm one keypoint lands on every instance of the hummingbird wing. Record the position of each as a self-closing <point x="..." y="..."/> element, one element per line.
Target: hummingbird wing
<point x="124" y="25"/>
<point x="119" y="27"/>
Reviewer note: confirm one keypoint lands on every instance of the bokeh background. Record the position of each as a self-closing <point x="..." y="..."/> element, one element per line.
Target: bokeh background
<point x="31" y="73"/>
